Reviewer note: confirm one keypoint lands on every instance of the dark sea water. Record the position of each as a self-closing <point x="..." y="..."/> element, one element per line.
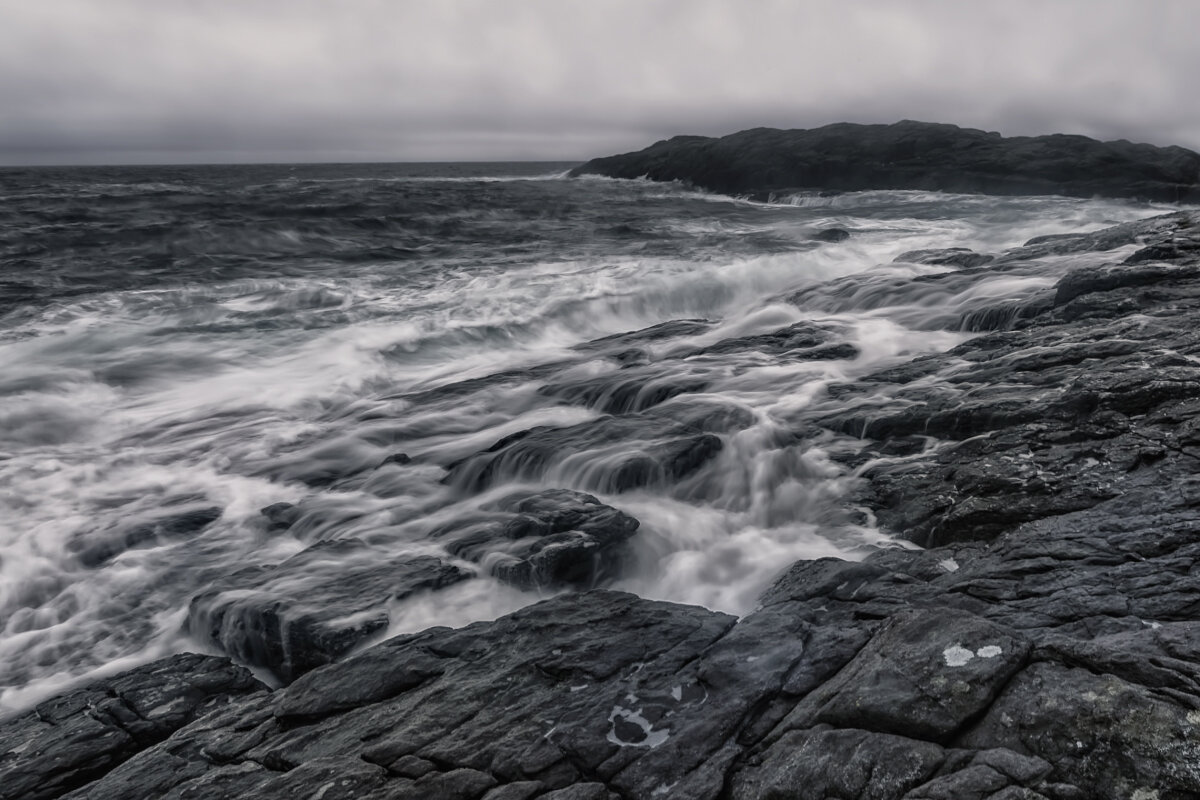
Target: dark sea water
<point x="219" y="339"/>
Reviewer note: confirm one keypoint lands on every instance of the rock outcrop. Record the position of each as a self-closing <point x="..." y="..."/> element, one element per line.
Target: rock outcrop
<point x="293" y="616"/>
<point x="78" y="737"/>
<point x="1044" y="645"/>
<point x="767" y="162"/>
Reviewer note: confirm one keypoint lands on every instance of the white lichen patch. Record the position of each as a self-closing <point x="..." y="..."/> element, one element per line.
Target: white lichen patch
<point x="1144" y="794"/>
<point x="650" y="737"/>
<point x="957" y="655"/>
<point x="948" y="564"/>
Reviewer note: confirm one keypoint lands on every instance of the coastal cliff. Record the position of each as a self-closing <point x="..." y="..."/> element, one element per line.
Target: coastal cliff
<point x="847" y="157"/>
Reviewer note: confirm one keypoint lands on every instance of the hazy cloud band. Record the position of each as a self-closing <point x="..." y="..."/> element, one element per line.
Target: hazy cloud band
<point x="128" y="81"/>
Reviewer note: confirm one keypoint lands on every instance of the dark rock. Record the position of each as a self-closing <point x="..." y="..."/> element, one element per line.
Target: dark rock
<point x="1102" y="279"/>
<point x="949" y="257"/>
<point x="292" y="617"/>
<point x="1097" y="731"/>
<point x="821" y="763"/>
<point x="653" y="451"/>
<point x="281" y="516"/>
<point x="664" y="330"/>
<point x="464" y="388"/>
<point x="803" y="341"/>
<point x="1005" y="315"/>
<point x="627" y="391"/>
<point x="1166" y="251"/>
<point x="912" y="155"/>
<point x="100" y="546"/>
<point x="517" y="790"/>
<point x="807" y="697"/>
<point x="581" y="791"/>
<point x="1141" y="231"/>
<point x="831" y="235"/>
<point x="871" y="290"/>
<point x="324" y="464"/>
<point x="544" y="539"/>
<point x="67" y="742"/>
<point x="1039" y="421"/>
<point x="923" y="675"/>
<point x="1054" y="237"/>
<point x="396" y="458"/>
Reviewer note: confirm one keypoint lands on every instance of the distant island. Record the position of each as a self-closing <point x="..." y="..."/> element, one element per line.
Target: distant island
<point x="848" y="157"/>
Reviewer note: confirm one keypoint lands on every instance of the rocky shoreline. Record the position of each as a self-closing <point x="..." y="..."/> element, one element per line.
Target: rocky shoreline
<point x="1044" y="644"/>
<point x="768" y="163"/>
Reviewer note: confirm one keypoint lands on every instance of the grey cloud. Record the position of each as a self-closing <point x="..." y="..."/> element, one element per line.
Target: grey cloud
<point x="196" y="80"/>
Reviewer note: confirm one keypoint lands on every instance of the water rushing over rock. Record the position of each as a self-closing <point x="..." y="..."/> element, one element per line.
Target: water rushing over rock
<point x="680" y="416"/>
<point x="378" y="355"/>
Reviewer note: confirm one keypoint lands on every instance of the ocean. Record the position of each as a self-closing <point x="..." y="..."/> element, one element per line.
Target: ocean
<point x="182" y="347"/>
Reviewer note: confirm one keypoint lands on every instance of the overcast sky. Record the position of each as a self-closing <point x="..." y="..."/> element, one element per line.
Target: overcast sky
<point x="165" y="81"/>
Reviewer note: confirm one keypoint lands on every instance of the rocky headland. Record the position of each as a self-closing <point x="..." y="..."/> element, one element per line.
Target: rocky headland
<point x="767" y="162"/>
<point x="1042" y="643"/>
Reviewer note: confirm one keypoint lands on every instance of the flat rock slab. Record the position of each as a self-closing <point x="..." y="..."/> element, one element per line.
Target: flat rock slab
<point x="1100" y="730"/>
<point x="299" y="614"/>
<point x="84" y="734"/>
<point x="925" y="674"/>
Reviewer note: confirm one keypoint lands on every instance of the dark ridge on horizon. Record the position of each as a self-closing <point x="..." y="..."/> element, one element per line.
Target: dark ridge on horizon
<point x="846" y="156"/>
<point x="271" y="163"/>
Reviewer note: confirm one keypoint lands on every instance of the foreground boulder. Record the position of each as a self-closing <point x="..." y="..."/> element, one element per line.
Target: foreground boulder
<point x="331" y="597"/>
<point x="299" y="614"/>
<point x="77" y="737"/>
<point x="766" y="162"/>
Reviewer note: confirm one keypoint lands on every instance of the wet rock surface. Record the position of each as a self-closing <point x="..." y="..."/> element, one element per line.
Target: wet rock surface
<point x="1045" y="643"/>
<point x="846" y="157"/>
<point x="1057" y="414"/>
<point x="101" y="546"/>
<point x="667" y="451"/>
<point x="268" y="617"/>
<point x="950" y="257"/>
<point x="77" y="737"/>
<point x="550" y="539"/>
